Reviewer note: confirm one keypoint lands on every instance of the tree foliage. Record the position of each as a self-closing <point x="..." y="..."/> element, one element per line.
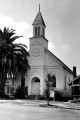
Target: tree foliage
<point x="50" y="84"/>
<point x="13" y="56"/>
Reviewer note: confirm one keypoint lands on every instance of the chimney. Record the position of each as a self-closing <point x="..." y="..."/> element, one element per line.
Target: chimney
<point x="74" y="72"/>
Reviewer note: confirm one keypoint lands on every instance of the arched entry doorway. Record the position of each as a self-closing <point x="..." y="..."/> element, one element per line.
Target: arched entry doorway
<point x="35" y="86"/>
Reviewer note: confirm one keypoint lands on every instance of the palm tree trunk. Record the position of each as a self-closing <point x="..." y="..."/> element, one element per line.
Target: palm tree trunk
<point x="2" y="83"/>
<point x="2" y="89"/>
<point x="13" y="84"/>
<point x="23" y="81"/>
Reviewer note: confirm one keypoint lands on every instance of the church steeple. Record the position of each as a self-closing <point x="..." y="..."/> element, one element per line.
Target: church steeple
<point x="39" y="25"/>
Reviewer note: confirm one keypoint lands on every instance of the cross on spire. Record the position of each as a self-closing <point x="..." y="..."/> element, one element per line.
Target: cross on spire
<point x="39" y="7"/>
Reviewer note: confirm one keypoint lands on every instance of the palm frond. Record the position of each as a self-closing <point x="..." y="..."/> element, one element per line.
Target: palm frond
<point x="14" y="55"/>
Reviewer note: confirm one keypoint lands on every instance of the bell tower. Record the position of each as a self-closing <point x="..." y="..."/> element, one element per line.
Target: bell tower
<point x="38" y="41"/>
<point x="39" y="25"/>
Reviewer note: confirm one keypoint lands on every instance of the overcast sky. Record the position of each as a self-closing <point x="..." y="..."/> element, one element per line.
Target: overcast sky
<point x="62" y="19"/>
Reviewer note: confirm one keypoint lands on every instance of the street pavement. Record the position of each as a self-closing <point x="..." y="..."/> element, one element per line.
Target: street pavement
<point x="31" y="110"/>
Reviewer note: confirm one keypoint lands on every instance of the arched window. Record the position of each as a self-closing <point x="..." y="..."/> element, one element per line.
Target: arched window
<point x="53" y="81"/>
<point x="35" y="31"/>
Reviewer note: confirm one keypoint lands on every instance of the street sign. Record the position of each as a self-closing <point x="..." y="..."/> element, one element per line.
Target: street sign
<point x="52" y="94"/>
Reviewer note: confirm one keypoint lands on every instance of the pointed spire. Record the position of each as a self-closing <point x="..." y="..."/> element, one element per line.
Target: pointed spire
<point x="39" y="7"/>
<point x="39" y="19"/>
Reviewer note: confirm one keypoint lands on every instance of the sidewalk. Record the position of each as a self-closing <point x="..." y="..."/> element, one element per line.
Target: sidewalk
<point x="43" y="103"/>
<point x="66" y="105"/>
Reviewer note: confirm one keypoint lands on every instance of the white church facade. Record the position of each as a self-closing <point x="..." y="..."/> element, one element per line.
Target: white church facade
<point x="42" y="62"/>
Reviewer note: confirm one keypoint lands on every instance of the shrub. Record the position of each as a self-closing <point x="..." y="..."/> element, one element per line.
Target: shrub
<point x="58" y="95"/>
<point x="20" y="92"/>
<point x="4" y="96"/>
<point x="75" y="100"/>
<point x="47" y="93"/>
<point x="42" y="98"/>
<point x="78" y="99"/>
<point x="33" y="97"/>
<point x="61" y="95"/>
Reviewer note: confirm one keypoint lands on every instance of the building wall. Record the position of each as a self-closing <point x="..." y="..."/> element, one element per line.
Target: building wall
<point x="52" y="66"/>
<point x="58" y="73"/>
<point x="36" y="53"/>
<point x="36" y="61"/>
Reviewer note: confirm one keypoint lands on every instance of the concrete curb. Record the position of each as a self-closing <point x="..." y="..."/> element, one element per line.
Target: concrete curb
<point x="57" y="106"/>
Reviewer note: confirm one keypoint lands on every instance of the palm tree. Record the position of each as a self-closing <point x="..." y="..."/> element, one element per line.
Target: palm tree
<point x="13" y="57"/>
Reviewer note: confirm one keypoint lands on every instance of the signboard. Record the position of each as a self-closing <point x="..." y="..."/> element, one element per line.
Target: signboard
<point x="52" y="94"/>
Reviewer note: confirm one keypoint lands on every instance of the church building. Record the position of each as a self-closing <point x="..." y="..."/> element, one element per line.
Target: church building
<point x="42" y="62"/>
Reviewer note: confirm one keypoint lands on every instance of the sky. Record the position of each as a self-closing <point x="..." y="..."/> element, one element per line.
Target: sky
<point x="62" y="19"/>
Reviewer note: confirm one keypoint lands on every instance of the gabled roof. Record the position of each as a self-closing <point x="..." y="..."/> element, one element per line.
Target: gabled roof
<point x="39" y="19"/>
<point x="66" y="67"/>
<point x="70" y="82"/>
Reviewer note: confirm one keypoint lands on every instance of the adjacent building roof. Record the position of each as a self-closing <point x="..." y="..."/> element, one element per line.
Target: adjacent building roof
<point x="39" y="19"/>
<point x="69" y="83"/>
